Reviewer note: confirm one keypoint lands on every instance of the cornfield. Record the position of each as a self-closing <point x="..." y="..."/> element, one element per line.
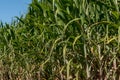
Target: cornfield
<point x="62" y="40"/>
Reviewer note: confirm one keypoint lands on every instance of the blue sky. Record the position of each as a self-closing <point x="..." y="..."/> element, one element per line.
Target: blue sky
<point x="11" y="8"/>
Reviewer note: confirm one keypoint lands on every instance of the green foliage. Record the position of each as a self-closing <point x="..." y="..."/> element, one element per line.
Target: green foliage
<point x="63" y="40"/>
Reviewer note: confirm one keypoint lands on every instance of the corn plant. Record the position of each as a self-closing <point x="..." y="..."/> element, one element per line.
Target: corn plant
<point x="62" y="40"/>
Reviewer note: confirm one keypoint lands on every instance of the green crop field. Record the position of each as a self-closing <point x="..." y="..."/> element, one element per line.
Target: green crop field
<point x="62" y="40"/>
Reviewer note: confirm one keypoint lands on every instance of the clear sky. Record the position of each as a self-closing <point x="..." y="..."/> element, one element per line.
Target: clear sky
<point x="11" y="8"/>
